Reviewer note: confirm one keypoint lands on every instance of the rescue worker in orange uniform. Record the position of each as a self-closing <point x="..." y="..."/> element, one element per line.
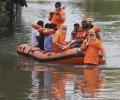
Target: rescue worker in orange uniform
<point x="92" y="46"/>
<point x="59" y="39"/>
<point x="58" y="16"/>
<point x="87" y="24"/>
<point x="96" y="28"/>
<point x="81" y="34"/>
<point x="75" y="31"/>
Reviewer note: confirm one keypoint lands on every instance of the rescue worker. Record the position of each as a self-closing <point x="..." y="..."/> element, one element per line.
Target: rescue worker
<point x="96" y="28"/>
<point x="58" y="16"/>
<point x="80" y="36"/>
<point x="92" y="46"/>
<point x="76" y="36"/>
<point x="75" y="31"/>
<point x="87" y="24"/>
<point x="59" y="39"/>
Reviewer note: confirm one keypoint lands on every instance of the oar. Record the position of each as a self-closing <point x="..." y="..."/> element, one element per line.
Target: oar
<point x="68" y="45"/>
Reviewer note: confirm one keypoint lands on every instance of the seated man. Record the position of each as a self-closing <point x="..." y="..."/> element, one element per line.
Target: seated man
<point x="76" y="36"/>
<point x="74" y="33"/>
<point x="36" y="35"/>
<point x="49" y="31"/>
<point x="59" y="39"/>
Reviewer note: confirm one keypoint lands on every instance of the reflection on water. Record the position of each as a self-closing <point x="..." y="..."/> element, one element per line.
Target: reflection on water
<point x="64" y="82"/>
<point x="61" y="82"/>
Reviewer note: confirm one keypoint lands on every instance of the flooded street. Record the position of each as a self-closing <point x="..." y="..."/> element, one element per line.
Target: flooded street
<point x="26" y="79"/>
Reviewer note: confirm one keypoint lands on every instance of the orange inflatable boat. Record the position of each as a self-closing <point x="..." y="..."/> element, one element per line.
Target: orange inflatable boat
<point x="70" y="56"/>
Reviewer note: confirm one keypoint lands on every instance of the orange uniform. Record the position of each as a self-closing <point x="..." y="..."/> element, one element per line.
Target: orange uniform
<point x="58" y="40"/>
<point x="92" y="48"/>
<point x="95" y="27"/>
<point x="82" y="35"/>
<point x="58" y="18"/>
<point x="84" y="32"/>
<point x="75" y="33"/>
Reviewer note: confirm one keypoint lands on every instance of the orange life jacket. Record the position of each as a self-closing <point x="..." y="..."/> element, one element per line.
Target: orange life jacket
<point x="82" y="34"/>
<point x="75" y="33"/>
<point x="97" y="31"/>
<point x="58" y="18"/>
<point x="59" y="37"/>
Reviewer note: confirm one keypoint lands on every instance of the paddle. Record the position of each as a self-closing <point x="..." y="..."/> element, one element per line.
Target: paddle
<point x="68" y="45"/>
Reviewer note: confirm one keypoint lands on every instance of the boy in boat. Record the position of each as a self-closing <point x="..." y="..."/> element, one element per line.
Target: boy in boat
<point x="38" y="37"/>
<point x="58" y="16"/>
<point x="49" y="30"/>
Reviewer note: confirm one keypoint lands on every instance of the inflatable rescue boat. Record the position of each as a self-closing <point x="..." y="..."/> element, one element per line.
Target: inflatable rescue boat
<point x="70" y="56"/>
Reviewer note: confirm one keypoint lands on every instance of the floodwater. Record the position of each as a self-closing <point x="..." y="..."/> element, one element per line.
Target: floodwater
<point x="26" y="79"/>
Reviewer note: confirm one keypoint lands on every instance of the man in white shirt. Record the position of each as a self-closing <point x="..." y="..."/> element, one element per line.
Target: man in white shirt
<point x="37" y="37"/>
